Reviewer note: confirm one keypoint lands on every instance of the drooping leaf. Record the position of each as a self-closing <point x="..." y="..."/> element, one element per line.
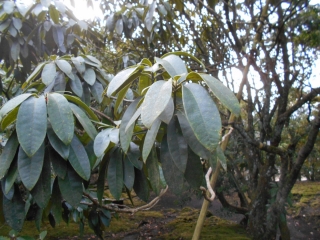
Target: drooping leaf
<point x="60" y="82"/>
<point x="48" y="73"/>
<point x="149" y="17"/>
<point x="177" y="145"/>
<point x="134" y="155"/>
<point x="10" y="178"/>
<point x="13" y="211"/>
<point x="10" y="118"/>
<point x="194" y="170"/>
<point x="122" y="79"/>
<point x="167" y="113"/>
<point x="119" y="26"/>
<point x="54" y="14"/>
<point x="97" y="91"/>
<point x="84" y="120"/>
<point x="153" y="171"/>
<point x="188" y="55"/>
<point x="79" y="63"/>
<point x="121" y="95"/>
<point x="144" y="82"/>
<point x="34" y="74"/>
<point x="8" y="153"/>
<point x="78" y="158"/>
<point x="13" y="103"/>
<point x="128" y="173"/>
<point x="61" y="117"/>
<point x="90" y="152"/>
<point x="42" y="190"/>
<point x="222" y="158"/>
<point x="32" y="124"/>
<point x="191" y="139"/>
<point x="71" y="187"/>
<point x="224" y="94"/>
<point x="102" y="178"/>
<point x="15" y="50"/>
<point x="150" y="139"/>
<point x="59" y="164"/>
<point x="65" y="67"/>
<point x="133" y="119"/>
<point x="202" y="114"/>
<point x="155" y="101"/>
<point x="115" y="174"/>
<point x="76" y="86"/>
<point x="89" y="76"/>
<point x="57" y="144"/>
<point x="173" y="176"/>
<point x="125" y="136"/>
<point x="173" y="65"/>
<point x="30" y="168"/>
<point x="56" y="202"/>
<point x="101" y="142"/>
<point x="141" y="186"/>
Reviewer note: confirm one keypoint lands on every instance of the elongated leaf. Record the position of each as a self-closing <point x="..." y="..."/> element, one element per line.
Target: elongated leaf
<point x="78" y="158"/>
<point x="121" y="95"/>
<point x="13" y="211"/>
<point x="134" y="155"/>
<point x="167" y="113"/>
<point x="102" y="177"/>
<point x="57" y="144"/>
<point x="10" y="118"/>
<point x="125" y="136"/>
<point x="115" y="174"/>
<point x="8" y="153"/>
<point x="222" y="158"/>
<point x="155" y="101"/>
<point x="79" y="63"/>
<point x="56" y="202"/>
<point x="11" y="177"/>
<point x="60" y="82"/>
<point x="101" y="142"/>
<point x="128" y="173"/>
<point x="54" y="14"/>
<point x="150" y="139"/>
<point x="97" y="91"/>
<point x="122" y="79"/>
<point x="76" y="86"/>
<point x="34" y="74"/>
<point x="224" y="94"/>
<point x="89" y="76"/>
<point x="71" y="188"/>
<point x="42" y="190"/>
<point x="173" y="176"/>
<point x="179" y="53"/>
<point x="59" y="164"/>
<point x="30" y="167"/>
<point x="48" y="73"/>
<point x="202" y="114"/>
<point x="65" y="67"/>
<point x="194" y="171"/>
<point x="84" y="120"/>
<point x="78" y="101"/>
<point x="149" y="17"/>
<point x="144" y="82"/>
<point x="173" y="65"/>
<point x="177" y="145"/>
<point x="32" y="124"/>
<point x="61" y="117"/>
<point x="141" y="185"/>
<point x="13" y="103"/>
<point x="133" y="119"/>
<point x="191" y="139"/>
<point x="153" y="171"/>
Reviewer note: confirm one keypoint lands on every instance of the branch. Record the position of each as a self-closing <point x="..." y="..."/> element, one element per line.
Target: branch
<point x="204" y="191"/>
<point x="124" y="208"/>
<point x="103" y="115"/>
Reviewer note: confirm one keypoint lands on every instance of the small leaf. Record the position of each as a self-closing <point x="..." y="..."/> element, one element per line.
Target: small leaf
<point x="89" y="76"/>
<point x="78" y="158"/>
<point x="65" y="67"/>
<point x="48" y="73"/>
<point x="8" y="153"/>
<point x="119" y="26"/>
<point x="84" y="120"/>
<point x="54" y="14"/>
<point x="30" y="168"/>
<point x="148" y="19"/>
<point x="34" y="74"/>
<point x="224" y="94"/>
<point x="71" y="188"/>
<point x="8" y="7"/>
<point x="125" y="136"/>
<point x="150" y="139"/>
<point x="202" y="114"/>
<point x="155" y="101"/>
<point x="128" y="173"/>
<point x="15" y="50"/>
<point x="32" y="124"/>
<point x="13" y="103"/>
<point x="177" y="145"/>
<point x="115" y="174"/>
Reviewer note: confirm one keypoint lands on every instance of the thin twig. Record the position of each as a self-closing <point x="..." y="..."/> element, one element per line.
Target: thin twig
<point x="103" y="115"/>
<point x="204" y="191"/>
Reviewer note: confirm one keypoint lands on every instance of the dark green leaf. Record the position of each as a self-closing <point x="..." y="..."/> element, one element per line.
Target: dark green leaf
<point x="202" y="114"/>
<point x="33" y="75"/>
<point x="115" y="174"/>
<point x="177" y="145"/>
<point x="59" y="165"/>
<point x="224" y="94"/>
<point x="57" y="144"/>
<point x="60" y="82"/>
<point x="134" y="155"/>
<point x="13" y="211"/>
<point x="48" y="73"/>
<point x="222" y="158"/>
<point x="84" y="120"/>
<point x="191" y="139"/>
<point x="8" y="153"/>
<point x="42" y="190"/>
<point x="61" y="117"/>
<point x="102" y="178"/>
<point x="32" y="124"/>
<point x="89" y="76"/>
<point x="119" y="26"/>
<point x="155" y="101"/>
<point x="56" y="202"/>
<point x="150" y="139"/>
<point x="30" y="168"/>
<point x="149" y="17"/>
<point x="141" y="186"/>
<point x="194" y="170"/>
<point x="79" y="159"/>
<point x="15" y="50"/>
<point x="153" y="171"/>
<point x="71" y="188"/>
<point x="13" y="103"/>
<point x="101" y="142"/>
<point x="10" y="118"/>
<point x="76" y="86"/>
<point x="128" y="171"/>
<point x="10" y="178"/>
<point x="97" y="90"/>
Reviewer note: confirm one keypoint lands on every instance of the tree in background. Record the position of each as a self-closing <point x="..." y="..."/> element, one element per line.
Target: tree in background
<point x="273" y="44"/>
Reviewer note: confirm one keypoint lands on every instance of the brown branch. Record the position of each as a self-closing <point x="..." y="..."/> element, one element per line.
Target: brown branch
<point x="103" y="115"/>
